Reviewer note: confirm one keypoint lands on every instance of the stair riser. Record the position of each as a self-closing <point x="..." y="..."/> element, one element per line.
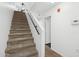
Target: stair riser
<point x="21" y="31"/>
<point x="31" y="55"/>
<point x="20" y="26"/>
<point x="16" y="17"/>
<point x="19" y="15"/>
<point x="17" y="49"/>
<point x="20" y="42"/>
<point x="19" y="19"/>
<point x="19" y="36"/>
<point x="14" y="28"/>
<point x="19" y="22"/>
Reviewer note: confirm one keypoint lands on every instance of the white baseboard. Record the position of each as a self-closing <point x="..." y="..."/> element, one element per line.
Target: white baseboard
<point x="58" y="52"/>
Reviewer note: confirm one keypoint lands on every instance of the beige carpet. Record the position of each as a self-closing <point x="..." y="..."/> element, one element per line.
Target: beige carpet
<point x="20" y="43"/>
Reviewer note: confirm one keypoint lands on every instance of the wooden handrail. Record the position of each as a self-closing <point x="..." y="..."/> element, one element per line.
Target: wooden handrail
<point x="36" y="27"/>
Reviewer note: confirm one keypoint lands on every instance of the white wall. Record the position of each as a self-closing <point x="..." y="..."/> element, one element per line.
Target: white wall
<point x="64" y="35"/>
<point x="38" y="9"/>
<point x="10" y="5"/>
<point x="29" y="5"/>
<point x="6" y="15"/>
<point x="41" y="10"/>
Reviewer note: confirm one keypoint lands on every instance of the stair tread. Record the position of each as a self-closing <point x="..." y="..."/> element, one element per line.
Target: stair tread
<point x="20" y="33"/>
<point x="19" y="29"/>
<point x="18" y="39"/>
<point x="23" y="31"/>
<point x="27" y="52"/>
<point x="20" y="25"/>
<point x="20" y="43"/>
<point x="12" y="47"/>
<point x="17" y="21"/>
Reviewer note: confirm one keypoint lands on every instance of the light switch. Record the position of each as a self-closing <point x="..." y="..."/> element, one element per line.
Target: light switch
<point x="75" y="22"/>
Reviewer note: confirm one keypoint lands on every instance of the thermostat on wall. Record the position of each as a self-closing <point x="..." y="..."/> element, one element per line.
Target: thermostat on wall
<point x="75" y="22"/>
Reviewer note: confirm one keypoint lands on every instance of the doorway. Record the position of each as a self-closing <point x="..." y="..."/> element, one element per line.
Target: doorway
<point x="48" y="31"/>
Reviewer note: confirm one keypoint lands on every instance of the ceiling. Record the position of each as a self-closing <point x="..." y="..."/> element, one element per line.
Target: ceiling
<point x="39" y="8"/>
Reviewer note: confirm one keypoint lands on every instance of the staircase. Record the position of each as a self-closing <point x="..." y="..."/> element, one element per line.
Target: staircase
<point x="20" y="43"/>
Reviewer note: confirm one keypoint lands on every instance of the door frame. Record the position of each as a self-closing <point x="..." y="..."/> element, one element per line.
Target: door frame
<point x="48" y="18"/>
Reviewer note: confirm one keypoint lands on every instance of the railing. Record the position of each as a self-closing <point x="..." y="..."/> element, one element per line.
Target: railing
<point x="38" y="33"/>
<point x="34" y="24"/>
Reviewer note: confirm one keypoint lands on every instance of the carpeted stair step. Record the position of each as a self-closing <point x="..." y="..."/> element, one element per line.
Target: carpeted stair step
<point x="19" y="40"/>
<point x="24" y="26"/>
<point x="19" y="31"/>
<point x="14" y="48"/>
<point x="20" y="26"/>
<point x="14" y="28"/>
<point x="19" y="19"/>
<point x="14" y="24"/>
<point x="19" y="35"/>
<point x="19" y="22"/>
<point x="25" y="52"/>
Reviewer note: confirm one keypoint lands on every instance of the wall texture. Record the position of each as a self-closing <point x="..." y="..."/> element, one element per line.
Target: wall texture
<point x="65" y="35"/>
<point x="6" y="15"/>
